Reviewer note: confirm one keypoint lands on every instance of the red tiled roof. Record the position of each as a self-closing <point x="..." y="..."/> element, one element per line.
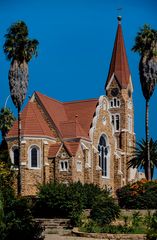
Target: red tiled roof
<point x="72" y="130"/>
<point x="84" y="110"/>
<point x="53" y="149"/>
<point x="119" y="63"/>
<point x="54" y="108"/>
<point x="63" y="115"/>
<point x="32" y="123"/>
<point x="72" y="147"/>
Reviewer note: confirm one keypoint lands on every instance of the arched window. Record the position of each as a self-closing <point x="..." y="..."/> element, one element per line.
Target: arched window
<point x="34" y="157"/>
<point x="16" y="157"/>
<point x="103" y="149"/>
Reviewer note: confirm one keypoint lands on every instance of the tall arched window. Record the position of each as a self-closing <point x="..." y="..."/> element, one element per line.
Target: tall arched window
<point x="16" y="157"/>
<point x="103" y="149"/>
<point x="34" y="157"/>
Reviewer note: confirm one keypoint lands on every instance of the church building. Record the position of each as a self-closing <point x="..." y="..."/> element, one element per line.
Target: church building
<point x="88" y="141"/>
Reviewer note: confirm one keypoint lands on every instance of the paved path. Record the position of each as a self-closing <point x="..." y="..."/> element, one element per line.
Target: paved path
<point x="59" y="237"/>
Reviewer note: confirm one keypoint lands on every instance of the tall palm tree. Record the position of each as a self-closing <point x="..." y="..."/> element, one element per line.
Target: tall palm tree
<point x="139" y="156"/>
<point x="6" y="121"/>
<point x="19" y="49"/>
<point x="146" y="46"/>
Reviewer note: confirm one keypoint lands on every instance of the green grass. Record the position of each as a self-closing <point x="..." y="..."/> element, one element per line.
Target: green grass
<point x="125" y="224"/>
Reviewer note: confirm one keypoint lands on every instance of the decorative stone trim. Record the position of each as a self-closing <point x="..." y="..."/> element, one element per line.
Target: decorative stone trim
<point x="103" y="103"/>
<point x="98" y="168"/>
<point x="23" y="164"/>
<point x="87" y="165"/>
<point x="46" y="164"/>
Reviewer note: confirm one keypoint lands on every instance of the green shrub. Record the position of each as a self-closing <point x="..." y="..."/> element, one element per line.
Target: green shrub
<point x="60" y="200"/>
<point x="104" y="210"/>
<point x="139" y="195"/>
<point x="93" y="227"/>
<point x="90" y="192"/>
<point x="18" y="222"/>
<point x="136" y="219"/>
<point x="152" y="227"/>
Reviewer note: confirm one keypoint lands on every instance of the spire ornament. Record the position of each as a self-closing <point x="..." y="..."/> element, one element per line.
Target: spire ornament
<point x="119" y="19"/>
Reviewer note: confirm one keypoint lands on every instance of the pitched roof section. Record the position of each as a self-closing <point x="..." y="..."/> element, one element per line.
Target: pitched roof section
<point x="64" y="115"/>
<point x="54" y="108"/>
<point x="72" y="147"/>
<point x="72" y="130"/>
<point x="32" y="122"/>
<point x="53" y="150"/>
<point x="84" y="110"/>
<point x="119" y="63"/>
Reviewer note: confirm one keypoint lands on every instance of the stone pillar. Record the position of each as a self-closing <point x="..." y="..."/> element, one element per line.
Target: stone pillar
<point x="46" y="172"/>
<point x="23" y="167"/>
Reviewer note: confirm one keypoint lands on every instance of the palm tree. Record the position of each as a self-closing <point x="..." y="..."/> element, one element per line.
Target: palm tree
<point x="19" y="49"/>
<point x="146" y="46"/>
<point x="139" y="156"/>
<point x="6" y="121"/>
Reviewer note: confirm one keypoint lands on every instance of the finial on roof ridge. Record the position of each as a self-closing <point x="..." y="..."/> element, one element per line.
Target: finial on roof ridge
<point x="119" y="19"/>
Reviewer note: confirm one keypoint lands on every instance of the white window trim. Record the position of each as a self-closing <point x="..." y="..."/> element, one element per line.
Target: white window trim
<point x="79" y="167"/>
<point x="116" y="100"/>
<point x="108" y="157"/>
<point x="64" y="169"/>
<point x="114" y="125"/>
<point x="38" y="157"/>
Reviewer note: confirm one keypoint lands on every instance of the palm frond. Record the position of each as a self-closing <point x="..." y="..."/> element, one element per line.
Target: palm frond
<point x="139" y="156"/>
<point x="17" y="45"/>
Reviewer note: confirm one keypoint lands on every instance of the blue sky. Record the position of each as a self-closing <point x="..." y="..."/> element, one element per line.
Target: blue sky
<point x="76" y="41"/>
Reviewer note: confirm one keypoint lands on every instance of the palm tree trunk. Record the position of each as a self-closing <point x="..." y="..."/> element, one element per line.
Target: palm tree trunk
<point x="19" y="147"/>
<point x="147" y="141"/>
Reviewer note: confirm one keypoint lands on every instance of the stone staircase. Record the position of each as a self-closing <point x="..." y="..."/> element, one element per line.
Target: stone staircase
<point x="54" y="225"/>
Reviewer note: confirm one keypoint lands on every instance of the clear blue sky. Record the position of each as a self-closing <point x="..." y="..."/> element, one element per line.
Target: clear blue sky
<point x="76" y="41"/>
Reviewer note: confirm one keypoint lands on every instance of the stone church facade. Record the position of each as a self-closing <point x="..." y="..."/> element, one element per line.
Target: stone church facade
<point x="88" y="141"/>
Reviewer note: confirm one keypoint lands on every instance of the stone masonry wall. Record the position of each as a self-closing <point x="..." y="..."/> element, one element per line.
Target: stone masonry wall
<point x="104" y="127"/>
<point x="32" y="177"/>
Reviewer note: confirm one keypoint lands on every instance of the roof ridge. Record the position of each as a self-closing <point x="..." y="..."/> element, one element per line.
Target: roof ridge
<point x="49" y="115"/>
<point x="78" y="101"/>
<point x="68" y="102"/>
<point x="26" y="112"/>
<point x="34" y="110"/>
<point x="51" y="98"/>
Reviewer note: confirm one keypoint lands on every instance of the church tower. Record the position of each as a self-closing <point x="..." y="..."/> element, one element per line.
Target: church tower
<point x="119" y="91"/>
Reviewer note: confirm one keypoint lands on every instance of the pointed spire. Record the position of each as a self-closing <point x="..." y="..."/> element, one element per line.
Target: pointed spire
<point x="119" y="63"/>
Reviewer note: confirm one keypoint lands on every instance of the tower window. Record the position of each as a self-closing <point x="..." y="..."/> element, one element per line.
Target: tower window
<point x="34" y="157"/>
<point x="115" y="120"/>
<point x="114" y="103"/>
<point x="103" y="149"/>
